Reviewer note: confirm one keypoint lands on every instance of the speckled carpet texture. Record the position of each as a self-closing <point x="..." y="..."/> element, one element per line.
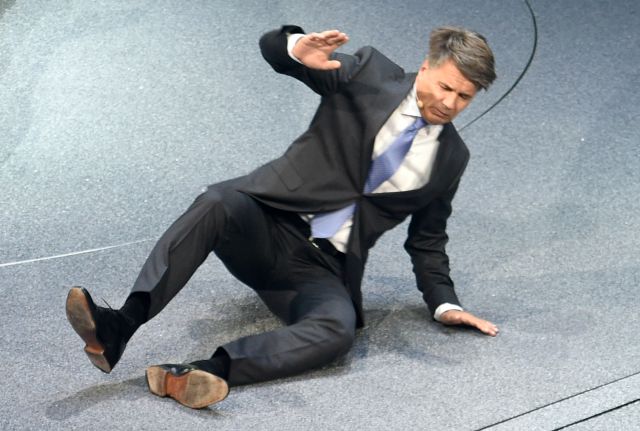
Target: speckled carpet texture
<point x="115" y="114"/>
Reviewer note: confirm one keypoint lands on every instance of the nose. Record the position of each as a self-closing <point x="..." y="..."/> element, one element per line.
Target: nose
<point x="450" y="101"/>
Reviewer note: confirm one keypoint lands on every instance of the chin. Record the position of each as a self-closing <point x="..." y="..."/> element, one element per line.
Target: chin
<point x="436" y="121"/>
<point x="432" y="118"/>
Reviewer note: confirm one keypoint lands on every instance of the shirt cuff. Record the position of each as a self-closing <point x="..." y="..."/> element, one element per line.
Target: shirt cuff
<point x="292" y="39"/>
<point x="445" y="307"/>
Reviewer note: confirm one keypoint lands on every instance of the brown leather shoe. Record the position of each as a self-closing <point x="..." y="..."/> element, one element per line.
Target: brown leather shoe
<point x="187" y="384"/>
<point x="104" y="331"/>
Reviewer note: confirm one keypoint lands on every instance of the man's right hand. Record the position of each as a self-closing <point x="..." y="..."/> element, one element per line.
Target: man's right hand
<point x="314" y="49"/>
<point x="456" y="317"/>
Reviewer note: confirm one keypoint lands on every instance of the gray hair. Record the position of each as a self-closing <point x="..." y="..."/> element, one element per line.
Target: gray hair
<point x="469" y="51"/>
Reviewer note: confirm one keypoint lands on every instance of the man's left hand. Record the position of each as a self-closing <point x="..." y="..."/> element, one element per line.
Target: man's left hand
<point x="456" y="317"/>
<point x="314" y="49"/>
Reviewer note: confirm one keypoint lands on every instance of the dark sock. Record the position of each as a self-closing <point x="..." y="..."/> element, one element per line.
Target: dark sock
<point x="219" y="364"/>
<point x="136" y="310"/>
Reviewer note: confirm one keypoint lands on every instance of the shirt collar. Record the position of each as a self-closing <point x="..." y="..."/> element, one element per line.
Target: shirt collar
<point x="409" y="105"/>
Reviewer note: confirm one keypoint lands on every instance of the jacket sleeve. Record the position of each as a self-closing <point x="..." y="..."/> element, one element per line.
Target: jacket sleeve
<point x="273" y="46"/>
<point x="426" y="246"/>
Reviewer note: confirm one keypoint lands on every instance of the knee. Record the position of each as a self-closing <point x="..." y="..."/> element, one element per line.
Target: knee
<point x="211" y="198"/>
<point x="340" y="335"/>
<point x="217" y="204"/>
<point x="223" y="201"/>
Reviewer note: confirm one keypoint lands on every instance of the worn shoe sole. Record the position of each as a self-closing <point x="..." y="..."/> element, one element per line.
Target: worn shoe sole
<point x="195" y="389"/>
<point x="81" y="319"/>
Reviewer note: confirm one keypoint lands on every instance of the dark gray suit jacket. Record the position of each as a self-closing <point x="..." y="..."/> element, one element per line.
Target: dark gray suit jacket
<point x="326" y="167"/>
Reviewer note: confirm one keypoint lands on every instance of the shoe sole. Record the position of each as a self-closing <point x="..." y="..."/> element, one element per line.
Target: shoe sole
<point x="81" y="319"/>
<point x="196" y="389"/>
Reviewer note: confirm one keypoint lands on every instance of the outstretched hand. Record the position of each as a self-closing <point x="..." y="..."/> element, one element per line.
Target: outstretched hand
<point x="314" y="49"/>
<point x="455" y="317"/>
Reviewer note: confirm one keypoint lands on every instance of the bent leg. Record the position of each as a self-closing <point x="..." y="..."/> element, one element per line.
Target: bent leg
<point x="219" y="215"/>
<point x="322" y="328"/>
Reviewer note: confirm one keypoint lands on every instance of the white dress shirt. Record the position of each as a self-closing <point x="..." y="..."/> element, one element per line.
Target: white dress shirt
<point x="413" y="173"/>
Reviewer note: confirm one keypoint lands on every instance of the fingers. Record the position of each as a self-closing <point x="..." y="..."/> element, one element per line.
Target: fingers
<point x="329" y="37"/>
<point x="491" y="330"/>
<point x="326" y="65"/>
<point x="332" y="64"/>
<point x="335" y="37"/>
<point x="455" y="317"/>
<point x="314" y="50"/>
<point x="487" y="327"/>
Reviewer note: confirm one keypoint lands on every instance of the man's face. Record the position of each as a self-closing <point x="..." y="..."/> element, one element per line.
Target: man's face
<point x="443" y="91"/>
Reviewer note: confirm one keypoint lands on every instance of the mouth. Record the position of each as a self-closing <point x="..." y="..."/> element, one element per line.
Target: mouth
<point x="439" y="113"/>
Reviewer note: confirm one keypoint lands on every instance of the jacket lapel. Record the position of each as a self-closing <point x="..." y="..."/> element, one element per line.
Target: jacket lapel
<point x="446" y="166"/>
<point x="386" y="101"/>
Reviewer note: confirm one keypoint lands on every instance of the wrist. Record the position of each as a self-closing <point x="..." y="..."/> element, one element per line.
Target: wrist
<point x="443" y="308"/>
<point x="292" y="40"/>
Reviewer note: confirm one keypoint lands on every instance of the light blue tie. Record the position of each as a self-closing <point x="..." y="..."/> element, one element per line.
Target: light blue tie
<point x="325" y="225"/>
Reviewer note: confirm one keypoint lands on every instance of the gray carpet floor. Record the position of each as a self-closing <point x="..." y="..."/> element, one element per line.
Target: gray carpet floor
<point x="115" y="114"/>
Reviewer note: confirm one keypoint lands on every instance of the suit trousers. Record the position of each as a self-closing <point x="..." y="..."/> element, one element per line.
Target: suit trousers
<point x="268" y="250"/>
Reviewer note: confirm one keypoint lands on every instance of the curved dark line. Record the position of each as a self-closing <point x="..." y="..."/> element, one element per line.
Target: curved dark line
<point x="524" y="71"/>
<point x="560" y="401"/>
<point x="599" y="414"/>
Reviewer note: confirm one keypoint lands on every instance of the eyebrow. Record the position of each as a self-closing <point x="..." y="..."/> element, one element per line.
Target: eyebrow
<point x="448" y="87"/>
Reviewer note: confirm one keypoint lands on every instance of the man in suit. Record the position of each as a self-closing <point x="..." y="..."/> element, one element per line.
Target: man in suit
<point x="380" y="148"/>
